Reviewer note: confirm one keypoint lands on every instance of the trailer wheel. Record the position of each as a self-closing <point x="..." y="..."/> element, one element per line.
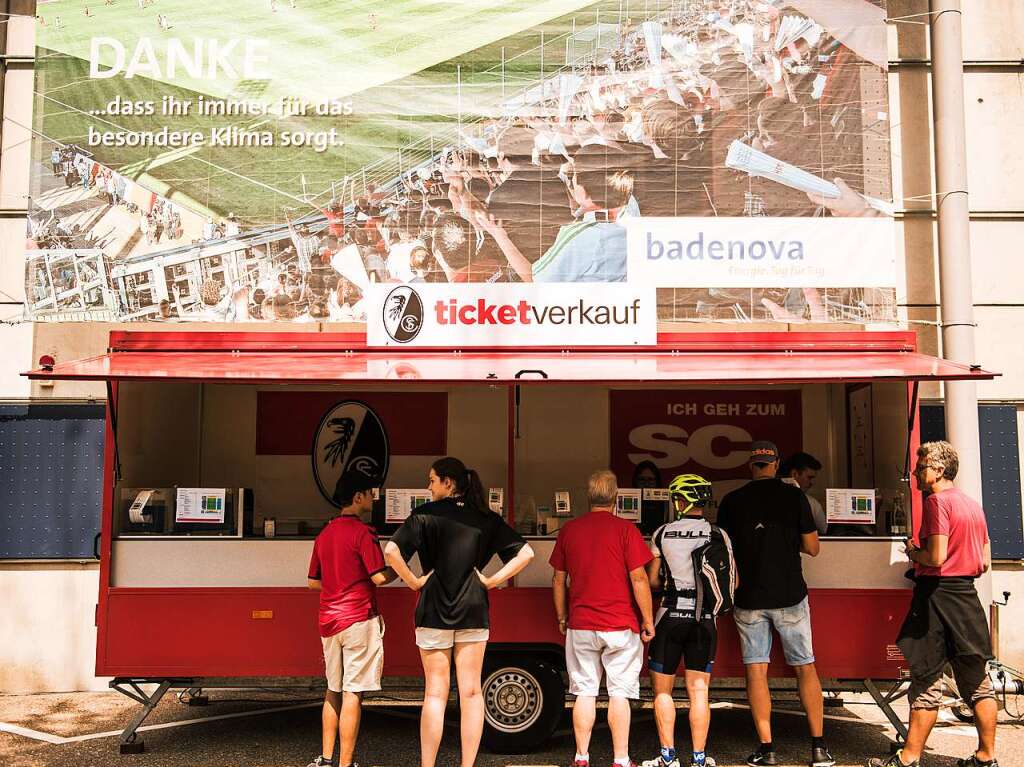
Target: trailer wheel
<point x="523" y="702"/>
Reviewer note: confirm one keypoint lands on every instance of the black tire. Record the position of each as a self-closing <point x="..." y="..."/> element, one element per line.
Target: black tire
<point x="963" y="712"/>
<point x="524" y="699"/>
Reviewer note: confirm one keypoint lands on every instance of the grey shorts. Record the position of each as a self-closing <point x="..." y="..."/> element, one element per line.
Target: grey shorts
<point x="971" y="675"/>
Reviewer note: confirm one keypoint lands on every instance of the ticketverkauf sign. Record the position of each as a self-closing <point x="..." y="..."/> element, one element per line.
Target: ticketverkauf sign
<point x="519" y="314"/>
<point x="755" y="252"/>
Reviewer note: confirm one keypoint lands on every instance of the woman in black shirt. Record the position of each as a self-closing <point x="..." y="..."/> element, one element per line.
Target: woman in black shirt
<point x="455" y="535"/>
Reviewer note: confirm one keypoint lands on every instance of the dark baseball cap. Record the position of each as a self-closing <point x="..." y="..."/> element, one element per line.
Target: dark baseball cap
<point x="352" y="482"/>
<point x="763" y="451"/>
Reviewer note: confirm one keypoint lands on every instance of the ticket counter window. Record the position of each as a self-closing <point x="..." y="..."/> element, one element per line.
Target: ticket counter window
<point x="260" y="462"/>
<point x="844" y="445"/>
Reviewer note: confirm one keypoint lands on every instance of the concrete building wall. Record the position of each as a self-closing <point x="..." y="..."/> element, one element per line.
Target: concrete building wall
<point x="36" y="654"/>
<point x="48" y="630"/>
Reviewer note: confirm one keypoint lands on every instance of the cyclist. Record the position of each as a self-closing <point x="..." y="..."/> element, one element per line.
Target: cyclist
<point x="681" y="634"/>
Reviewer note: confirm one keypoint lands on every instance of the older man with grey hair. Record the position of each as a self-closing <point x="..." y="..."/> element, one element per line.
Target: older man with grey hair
<point x="946" y="622"/>
<point x="600" y="587"/>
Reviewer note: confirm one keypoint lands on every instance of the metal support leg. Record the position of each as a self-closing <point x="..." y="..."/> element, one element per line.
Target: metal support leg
<point x="884" y="701"/>
<point x="129" y="743"/>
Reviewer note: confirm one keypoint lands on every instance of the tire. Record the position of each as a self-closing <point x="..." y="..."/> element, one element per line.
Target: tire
<point x="963" y="713"/>
<point x="524" y="699"/>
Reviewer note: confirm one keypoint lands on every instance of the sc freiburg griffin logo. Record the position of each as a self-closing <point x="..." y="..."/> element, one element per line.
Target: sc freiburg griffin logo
<point x="403" y="314"/>
<point x="350" y="437"/>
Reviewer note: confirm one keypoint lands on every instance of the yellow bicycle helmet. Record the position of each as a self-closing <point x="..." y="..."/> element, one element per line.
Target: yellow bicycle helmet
<point x="691" y="490"/>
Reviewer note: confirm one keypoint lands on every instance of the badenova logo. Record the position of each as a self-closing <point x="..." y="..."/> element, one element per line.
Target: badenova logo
<point x="350" y="437"/>
<point x="403" y="314"/>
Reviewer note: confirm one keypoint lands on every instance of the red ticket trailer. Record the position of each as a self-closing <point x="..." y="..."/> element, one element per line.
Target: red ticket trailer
<point x="175" y="394"/>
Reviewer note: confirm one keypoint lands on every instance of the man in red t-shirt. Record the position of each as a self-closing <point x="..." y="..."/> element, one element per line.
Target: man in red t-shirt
<point x="946" y="622"/>
<point x="600" y="584"/>
<point x="346" y="567"/>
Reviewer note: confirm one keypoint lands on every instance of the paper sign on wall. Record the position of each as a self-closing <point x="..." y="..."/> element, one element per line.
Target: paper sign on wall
<point x="400" y="504"/>
<point x="850" y="507"/>
<point x="200" y="504"/>
<point x="496" y="499"/>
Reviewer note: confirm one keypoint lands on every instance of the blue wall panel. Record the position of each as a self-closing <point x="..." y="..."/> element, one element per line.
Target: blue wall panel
<point x="1000" y="472"/>
<point x="51" y="480"/>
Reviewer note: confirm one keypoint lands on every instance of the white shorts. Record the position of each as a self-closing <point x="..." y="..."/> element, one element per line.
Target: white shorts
<point x="443" y="639"/>
<point x="354" y="658"/>
<point x="619" y="654"/>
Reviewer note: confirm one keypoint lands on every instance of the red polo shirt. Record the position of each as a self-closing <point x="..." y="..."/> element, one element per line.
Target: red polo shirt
<point x="598" y="551"/>
<point x="345" y="555"/>
<point x="955" y="514"/>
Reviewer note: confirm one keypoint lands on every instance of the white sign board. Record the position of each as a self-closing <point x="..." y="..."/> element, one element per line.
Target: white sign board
<point x="850" y="507"/>
<point x="200" y="504"/>
<point x="399" y="504"/>
<point x="760" y="251"/>
<point x="518" y="314"/>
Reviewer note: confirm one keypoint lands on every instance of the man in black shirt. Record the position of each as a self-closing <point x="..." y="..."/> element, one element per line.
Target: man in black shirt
<point x="771" y="525"/>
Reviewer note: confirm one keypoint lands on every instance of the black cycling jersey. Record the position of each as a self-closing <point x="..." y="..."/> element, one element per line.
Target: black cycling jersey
<point x="453" y="541"/>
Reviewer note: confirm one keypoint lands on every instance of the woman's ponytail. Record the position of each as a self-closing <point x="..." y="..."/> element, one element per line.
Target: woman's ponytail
<point x="474" y="491"/>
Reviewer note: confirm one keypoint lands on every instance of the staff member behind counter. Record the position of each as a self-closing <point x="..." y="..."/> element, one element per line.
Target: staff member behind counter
<point x="801" y="469"/>
<point x="652" y="513"/>
<point x="455" y="535"/>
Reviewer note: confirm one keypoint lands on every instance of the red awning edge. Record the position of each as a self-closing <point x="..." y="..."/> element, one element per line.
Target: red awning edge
<point x="743" y="360"/>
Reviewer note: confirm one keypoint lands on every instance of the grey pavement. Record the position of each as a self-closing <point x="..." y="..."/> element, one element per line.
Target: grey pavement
<point x="239" y="728"/>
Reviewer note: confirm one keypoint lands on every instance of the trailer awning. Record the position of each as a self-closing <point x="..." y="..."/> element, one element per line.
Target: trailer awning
<point x="385" y="365"/>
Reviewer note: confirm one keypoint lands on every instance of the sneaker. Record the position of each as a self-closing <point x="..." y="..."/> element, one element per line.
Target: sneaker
<point x="892" y="761"/>
<point x="974" y="761"/>
<point x="762" y="759"/>
<point x="708" y="762"/>
<point x="580" y="763"/>
<point x="820" y="757"/>
<point x="659" y="762"/>
<point x="321" y="762"/>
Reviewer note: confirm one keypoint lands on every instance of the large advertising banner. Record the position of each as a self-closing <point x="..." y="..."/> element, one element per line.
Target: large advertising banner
<point x="299" y="160"/>
<point x="699" y="431"/>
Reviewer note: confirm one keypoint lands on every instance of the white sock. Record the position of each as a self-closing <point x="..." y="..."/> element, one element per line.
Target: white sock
<point x="583" y="758"/>
<point x="623" y="761"/>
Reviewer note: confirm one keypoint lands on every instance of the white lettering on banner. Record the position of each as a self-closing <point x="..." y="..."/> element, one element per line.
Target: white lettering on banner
<point x="734" y="408"/>
<point x="439" y="314"/>
<point x="758" y="252"/>
<point x="671" y="446"/>
<point x="210" y="58"/>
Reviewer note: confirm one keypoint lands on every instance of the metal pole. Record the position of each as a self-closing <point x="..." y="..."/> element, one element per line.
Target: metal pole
<point x="955" y="289"/>
<point x="458" y="96"/>
<point x="503" y="73"/>
<point x="954" y="237"/>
